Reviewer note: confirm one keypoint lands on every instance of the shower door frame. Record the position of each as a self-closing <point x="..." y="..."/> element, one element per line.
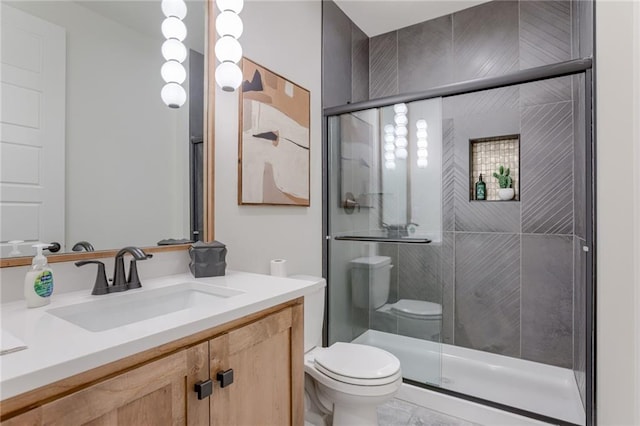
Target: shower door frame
<point x="568" y="68"/>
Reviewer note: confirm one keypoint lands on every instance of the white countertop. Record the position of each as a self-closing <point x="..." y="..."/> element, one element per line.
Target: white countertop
<point x="58" y="349"/>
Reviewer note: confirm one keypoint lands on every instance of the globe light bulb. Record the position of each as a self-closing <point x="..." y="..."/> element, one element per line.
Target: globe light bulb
<point x="401" y="153"/>
<point x="401" y="131"/>
<point x="421" y="133"/>
<point x="388" y="129"/>
<point x="177" y="8"/>
<point x="423" y="153"/>
<point x="173" y="72"/>
<point x="421" y="124"/>
<point x="174" y="50"/>
<point x="389" y="147"/>
<point x="389" y="156"/>
<point x="229" y="24"/>
<point x="173" y="95"/>
<point x="391" y="165"/>
<point x="228" y="50"/>
<point x="389" y="137"/>
<point x="228" y="76"/>
<point x="421" y="143"/>
<point x="400" y="119"/>
<point x="401" y="142"/>
<point x="400" y="108"/>
<point x="234" y="6"/>
<point x="422" y="163"/>
<point x="173" y="27"/>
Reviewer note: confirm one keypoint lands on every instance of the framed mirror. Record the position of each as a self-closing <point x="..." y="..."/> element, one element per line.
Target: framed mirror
<point x="91" y="156"/>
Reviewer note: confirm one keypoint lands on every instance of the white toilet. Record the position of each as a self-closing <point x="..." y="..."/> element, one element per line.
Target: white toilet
<point x="370" y="285"/>
<point x="345" y="382"/>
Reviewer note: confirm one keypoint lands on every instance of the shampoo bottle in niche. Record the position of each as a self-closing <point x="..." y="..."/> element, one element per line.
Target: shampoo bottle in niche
<point x="38" y="283"/>
<point x="481" y="189"/>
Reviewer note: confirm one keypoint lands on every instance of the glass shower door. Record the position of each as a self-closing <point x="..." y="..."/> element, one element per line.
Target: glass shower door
<point x="385" y="227"/>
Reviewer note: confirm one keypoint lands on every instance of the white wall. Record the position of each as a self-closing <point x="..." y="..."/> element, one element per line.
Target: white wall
<point x="285" y="38"/>
<point x="636" y="114"/>
<point x="126" y="152"/>
<point x="617" y="336"/>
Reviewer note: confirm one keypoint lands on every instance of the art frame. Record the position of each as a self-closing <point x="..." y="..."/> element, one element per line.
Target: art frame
<point x="274" y="139"/>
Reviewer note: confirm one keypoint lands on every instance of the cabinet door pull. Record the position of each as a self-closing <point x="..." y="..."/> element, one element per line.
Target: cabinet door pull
<point x="225" y="377"/>
<point x="203" y="388"/>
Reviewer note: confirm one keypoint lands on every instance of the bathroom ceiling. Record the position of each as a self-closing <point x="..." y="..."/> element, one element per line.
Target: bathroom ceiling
<point x="376" y="17"/>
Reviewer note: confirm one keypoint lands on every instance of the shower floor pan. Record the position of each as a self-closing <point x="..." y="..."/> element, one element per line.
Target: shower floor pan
<point x="527" y="385"/>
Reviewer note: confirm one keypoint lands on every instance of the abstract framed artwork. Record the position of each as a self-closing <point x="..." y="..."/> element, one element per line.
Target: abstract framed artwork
<point x="274" y="139"/>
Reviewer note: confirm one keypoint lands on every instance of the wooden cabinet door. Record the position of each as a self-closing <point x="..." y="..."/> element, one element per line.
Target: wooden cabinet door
<point x="268" y="385"/>
<point x="157" y="393"/>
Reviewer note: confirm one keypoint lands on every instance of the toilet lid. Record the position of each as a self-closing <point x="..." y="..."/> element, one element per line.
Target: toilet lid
<point x="350" y="360"/>
<point x="417" y="308"/>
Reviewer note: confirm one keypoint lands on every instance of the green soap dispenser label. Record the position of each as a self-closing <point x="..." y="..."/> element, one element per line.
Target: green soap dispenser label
<point x="43" y="285"/>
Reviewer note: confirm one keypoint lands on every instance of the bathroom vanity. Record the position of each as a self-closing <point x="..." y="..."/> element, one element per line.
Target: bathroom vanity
<point x="238" y="361"/>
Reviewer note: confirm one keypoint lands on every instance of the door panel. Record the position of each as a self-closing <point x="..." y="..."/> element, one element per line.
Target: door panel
<point x="32" y="130"/>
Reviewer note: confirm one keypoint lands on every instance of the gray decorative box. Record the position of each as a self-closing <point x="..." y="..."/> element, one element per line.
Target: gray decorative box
<point x="208" y="259"/>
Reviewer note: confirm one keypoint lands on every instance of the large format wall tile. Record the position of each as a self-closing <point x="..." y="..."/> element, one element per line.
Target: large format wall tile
<point x="425" y="55"/>
<point x="485" y="40"/>
<point x="482" y="216"/>
<point x="487" y="276"/>
<point x="448" y="175"/>
<point x="447" y="269"/>
<point x="545" y="38"/>
<point x="359" y="65"/>
<point x="546" y="91"/>
<point x="547" y="299"/>
<point x="547" y="169"/>
<point x="579" y="158"/>
<point x="419" y="272"/>
<point x="580" y="277"/>
<point x="336" y="58"/>
<point x="545" y="32"/>
<point x="383" y="65"/>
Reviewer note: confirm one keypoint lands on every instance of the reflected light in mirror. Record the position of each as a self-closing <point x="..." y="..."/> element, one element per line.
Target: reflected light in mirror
<point x="173" y="27"/>
<point x="173" y="95"/>
<point x="174" y="50"/>
<point x="177" y="8"/>
<point x="173" y="72"/>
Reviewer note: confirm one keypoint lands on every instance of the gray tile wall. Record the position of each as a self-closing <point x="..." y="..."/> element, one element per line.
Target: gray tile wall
<point x="512" y="269"/>
<point x="511" y="274"/>
<point x="345" y="58"/>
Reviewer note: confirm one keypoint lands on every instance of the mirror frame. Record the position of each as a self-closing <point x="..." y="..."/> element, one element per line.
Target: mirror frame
<point x="209" y="157"/>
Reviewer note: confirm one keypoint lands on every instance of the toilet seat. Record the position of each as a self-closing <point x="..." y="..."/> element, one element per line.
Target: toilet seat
<point x="419" y="309"/>
<point x="356" y="364"/>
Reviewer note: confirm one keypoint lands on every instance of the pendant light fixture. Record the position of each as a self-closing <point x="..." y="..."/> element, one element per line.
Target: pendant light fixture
<point x="174" y="52"/>
<point x="228" y="50"/>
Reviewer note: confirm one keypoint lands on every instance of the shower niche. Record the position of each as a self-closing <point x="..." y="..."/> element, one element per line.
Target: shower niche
<point x="486" y="156"/>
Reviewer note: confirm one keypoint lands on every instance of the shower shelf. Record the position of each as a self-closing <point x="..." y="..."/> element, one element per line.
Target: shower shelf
<point x="405" y="240"/>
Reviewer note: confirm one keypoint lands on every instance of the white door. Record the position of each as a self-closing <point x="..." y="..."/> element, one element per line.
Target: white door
<point x="32" y="130"/>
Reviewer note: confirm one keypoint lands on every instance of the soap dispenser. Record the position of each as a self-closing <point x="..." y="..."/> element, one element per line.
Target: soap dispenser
<point x="38" y="283"/>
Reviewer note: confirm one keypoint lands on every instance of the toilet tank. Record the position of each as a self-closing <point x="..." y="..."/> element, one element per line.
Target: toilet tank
<point x="313" y="313"/>
<point x="370" y="281"/>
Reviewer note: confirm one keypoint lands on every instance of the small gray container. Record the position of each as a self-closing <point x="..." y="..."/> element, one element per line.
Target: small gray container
<point x="208" y="259"/>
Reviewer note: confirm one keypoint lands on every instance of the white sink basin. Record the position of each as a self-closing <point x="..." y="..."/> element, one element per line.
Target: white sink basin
<point x="119" y="309"/>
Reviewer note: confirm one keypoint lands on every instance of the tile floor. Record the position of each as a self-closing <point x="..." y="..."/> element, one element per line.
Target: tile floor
<point x="402" y="413"/>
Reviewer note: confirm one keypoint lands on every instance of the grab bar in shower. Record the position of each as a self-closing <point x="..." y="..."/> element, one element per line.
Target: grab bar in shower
<point x="403" y="240"/>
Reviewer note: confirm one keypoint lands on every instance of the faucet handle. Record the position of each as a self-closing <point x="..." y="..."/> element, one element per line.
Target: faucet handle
<point x="101" y="285"/>
<point x="134" y="279"/>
